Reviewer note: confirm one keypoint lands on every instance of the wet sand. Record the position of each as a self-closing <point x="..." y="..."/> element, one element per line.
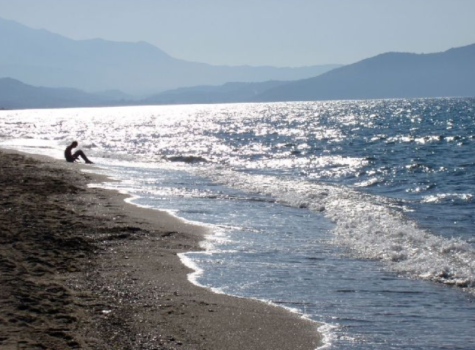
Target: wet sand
<point x="82" y="269"/>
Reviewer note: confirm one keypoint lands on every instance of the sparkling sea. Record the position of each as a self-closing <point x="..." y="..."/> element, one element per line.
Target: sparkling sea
<point x="357" y="214"/>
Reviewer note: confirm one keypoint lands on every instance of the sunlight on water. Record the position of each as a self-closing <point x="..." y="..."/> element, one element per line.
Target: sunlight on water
<point x="376" y="198"/>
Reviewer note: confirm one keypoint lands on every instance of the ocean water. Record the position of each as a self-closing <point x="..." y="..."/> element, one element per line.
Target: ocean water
<point x="357" y="214"/>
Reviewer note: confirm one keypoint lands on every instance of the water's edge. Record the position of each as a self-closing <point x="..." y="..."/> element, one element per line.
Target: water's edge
<point x="322" y="329"/>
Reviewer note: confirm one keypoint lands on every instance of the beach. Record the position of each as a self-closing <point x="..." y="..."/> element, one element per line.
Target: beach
<point x="357" y="215"/>
<point x="82" y="269"/>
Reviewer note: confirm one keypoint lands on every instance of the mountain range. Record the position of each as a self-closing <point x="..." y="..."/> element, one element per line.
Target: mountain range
<point x="42" y="58"/>
<point x="389" y="75"/>
<point x="227" y="93"/>
<point x="45" y="62"/>
<point x="17" y="95"/>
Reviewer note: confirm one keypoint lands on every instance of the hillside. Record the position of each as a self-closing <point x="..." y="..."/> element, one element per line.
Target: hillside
<point x="227" y="93"/>
<point x="390" y="75"/>
<point x="17" y="95"/>
<point x="41" y="58"/>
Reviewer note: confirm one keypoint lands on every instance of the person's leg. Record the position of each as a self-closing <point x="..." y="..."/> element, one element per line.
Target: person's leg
<point x="81" y="154"/>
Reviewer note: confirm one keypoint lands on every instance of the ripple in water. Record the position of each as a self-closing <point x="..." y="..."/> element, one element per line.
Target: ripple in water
<point x="346" y="211"/>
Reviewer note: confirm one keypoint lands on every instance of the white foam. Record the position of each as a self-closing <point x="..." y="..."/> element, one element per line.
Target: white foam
<point x="197" y="271"/>
<point x="370" y="182"/>
<point x="448" y="197"/>
<point x="369" y="226"/>
<point x="328" y="333"/>
<point x="326" y="330"/>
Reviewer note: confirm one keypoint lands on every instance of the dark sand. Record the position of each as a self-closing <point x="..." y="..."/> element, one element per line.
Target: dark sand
<point x="81" y="269"/>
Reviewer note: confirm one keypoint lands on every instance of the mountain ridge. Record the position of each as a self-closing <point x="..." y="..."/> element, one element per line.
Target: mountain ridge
<point x="232" y="92"/>
<point x="388" y="75"/>
<point x="17" y="95"/>
<point x="39" y="57"/>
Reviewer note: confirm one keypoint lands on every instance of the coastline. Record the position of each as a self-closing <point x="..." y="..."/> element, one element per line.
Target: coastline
<point x="105" y="274"/>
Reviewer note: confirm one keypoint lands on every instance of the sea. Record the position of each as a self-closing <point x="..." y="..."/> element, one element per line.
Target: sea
<point x="359" y="215"/>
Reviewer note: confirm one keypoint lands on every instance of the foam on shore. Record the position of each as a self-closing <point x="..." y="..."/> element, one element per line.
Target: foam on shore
<point x="141" y="271"/>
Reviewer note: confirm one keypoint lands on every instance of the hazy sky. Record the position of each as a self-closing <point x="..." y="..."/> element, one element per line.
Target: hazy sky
<point x="259" y="32"/>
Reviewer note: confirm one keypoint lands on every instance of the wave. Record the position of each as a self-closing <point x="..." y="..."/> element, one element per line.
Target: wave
<point x="368" y="183"/>
<point x="453" y="198"/>
<point x="422" y="139"/>
<point x="369" y="226"/>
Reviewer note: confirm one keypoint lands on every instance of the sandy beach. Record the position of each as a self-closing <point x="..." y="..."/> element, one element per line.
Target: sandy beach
<point x="82" y="269"/>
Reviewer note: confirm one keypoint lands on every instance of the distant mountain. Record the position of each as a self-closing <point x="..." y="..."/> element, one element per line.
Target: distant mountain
<point x="17" y="95"/>
<point x="227" y="93"/>
<point x="41" y="58"/>
<point x="390" y="75"/>
<point x="116" y="95"/>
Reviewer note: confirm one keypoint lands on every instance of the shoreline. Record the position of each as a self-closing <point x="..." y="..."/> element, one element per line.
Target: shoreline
<point x="124" y="286"/>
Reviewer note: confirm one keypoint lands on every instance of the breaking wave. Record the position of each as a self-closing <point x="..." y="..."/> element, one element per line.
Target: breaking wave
<point x="371" y="227"/>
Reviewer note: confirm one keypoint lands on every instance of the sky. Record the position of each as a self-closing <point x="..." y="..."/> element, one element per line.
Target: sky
<point x="285" y="33"/>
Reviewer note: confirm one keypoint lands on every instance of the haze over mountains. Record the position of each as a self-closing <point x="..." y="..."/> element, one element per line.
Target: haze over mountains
<point x="17" y="95"/>
<point x="390" y="75"/>
<point x="227" y="93"/>
<point x="41" y="58"/>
